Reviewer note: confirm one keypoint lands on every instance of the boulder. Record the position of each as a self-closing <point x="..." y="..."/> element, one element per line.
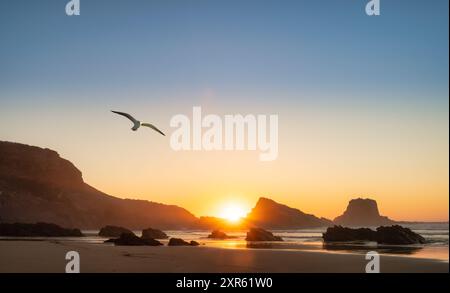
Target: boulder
<point x="339" y="233"/>
<point x="181" y="242"/>
<point x="398" y="235"/>
<point x="37" y="230"/>
<point x="383" y="235"/>
<point x="258" y="234"/>
<point x="113" y="231"/>
<point x="153" y="234"/>
<point x="129" y="239"/>
<point x="217" y="234"/>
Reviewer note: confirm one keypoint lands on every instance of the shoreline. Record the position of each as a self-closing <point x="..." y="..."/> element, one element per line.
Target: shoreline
<point x="48" y="256"/>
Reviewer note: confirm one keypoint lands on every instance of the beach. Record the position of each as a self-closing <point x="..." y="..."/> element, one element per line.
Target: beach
<point x="48" y="256"/>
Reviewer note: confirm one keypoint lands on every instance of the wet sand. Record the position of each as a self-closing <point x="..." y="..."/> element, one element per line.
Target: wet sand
<point x="49" y="256"/>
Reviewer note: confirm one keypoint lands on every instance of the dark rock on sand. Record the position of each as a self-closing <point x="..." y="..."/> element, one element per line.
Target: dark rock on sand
<point x="217" y="234"/>
<point x="113" y="231"/>
<point x="153" y="234"/>
<point x="37" y="230"/>
<point x="258" y="234"/>
<point x="398" y="235"/>
<point x="383" y="235"/>
<point x="339" y="233"/>
<point x="194" y="243"/>
<point x="129" y="239"/>
<point x="181" y="242"/>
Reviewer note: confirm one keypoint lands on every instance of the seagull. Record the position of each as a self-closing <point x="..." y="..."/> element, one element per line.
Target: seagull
<point x="138" y="123"/>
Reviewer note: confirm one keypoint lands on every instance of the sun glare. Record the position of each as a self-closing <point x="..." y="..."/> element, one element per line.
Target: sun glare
<point x="232" y="212"/>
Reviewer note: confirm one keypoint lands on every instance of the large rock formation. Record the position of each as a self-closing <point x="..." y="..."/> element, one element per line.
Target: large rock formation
<point x="362" y="213"/>
<point x="342" y="234"/>
<point x="37" y="185"/>
<point x="383" y="235"/>
<point x="272" y="215"/>
<point x="398" y="235"/>
<point x="41" y="166"/>
<point x="37" y="230"/>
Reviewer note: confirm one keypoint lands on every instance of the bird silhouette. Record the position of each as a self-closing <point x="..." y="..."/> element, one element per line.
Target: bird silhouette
<point x="138" y="123"/>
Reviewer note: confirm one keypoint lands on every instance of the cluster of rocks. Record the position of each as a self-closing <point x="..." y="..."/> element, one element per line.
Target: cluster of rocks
<point x="149" y="236"/>
<point x="383" y="235"/>
<point x="255" y="234"/>
<point x="37" y="230"/>
<point x="129" y="239"/>
<point x="126" y="237"/>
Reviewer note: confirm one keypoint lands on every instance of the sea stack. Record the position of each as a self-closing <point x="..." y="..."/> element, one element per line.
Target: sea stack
<point x="362" y="213"/>
<point x="269" y="214"/>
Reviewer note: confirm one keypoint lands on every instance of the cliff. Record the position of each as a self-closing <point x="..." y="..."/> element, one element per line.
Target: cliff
<point x="37" y="185"/>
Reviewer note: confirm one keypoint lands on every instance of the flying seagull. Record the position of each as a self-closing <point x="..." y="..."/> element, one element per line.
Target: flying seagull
<point x="138" y="123"/>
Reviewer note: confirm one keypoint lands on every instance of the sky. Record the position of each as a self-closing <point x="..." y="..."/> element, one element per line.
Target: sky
<point x="362" y="101"/>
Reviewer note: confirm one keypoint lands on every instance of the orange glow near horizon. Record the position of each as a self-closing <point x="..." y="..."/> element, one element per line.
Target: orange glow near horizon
<point x="327" y="156"/>
<point x="232" y="212"/>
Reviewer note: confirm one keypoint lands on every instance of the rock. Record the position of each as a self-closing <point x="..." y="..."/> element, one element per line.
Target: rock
<point x="129" y="239"/>
<point x="181" y="242"/>
<point x="398" y="235"/>
<point x="177" y="242"/>
<point x="37" y="185"/>
<point x="383" y="235"/>
<point x="154" y="234"/>
<point x="37" y="230"/>
<point x="272" y="215"/>
<point x="40" y="165"/>
<point x="339" y="233"/>
<point x="217" y="234"/>
<point x="113" y="231"/>
<point x="258" y="234"/>
<point x="362" y="213"/>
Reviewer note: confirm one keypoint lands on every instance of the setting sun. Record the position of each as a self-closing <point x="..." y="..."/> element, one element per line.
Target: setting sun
<point x="232" y="212"/>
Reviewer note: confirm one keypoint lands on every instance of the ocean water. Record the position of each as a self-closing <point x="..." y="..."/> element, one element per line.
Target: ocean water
<point x="437" y="236"/>
<point x="302" y="239"/>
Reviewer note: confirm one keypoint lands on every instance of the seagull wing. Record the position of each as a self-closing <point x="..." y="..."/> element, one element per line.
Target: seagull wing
<point x="126" y="115"/>
<point x="153" y="127"/>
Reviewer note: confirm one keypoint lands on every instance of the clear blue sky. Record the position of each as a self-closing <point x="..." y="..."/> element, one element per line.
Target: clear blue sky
<point x="240" y="45"/>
